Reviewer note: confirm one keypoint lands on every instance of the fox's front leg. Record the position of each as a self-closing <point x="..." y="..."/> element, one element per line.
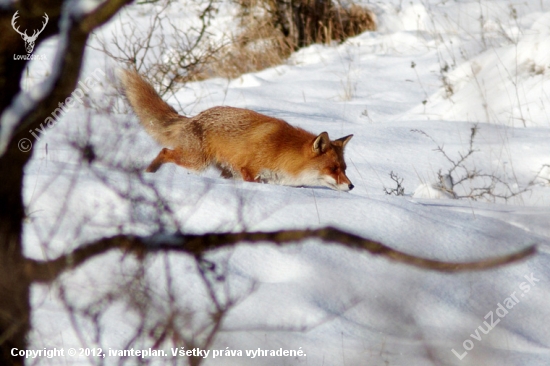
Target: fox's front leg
<point x="164" y="156"/>
<point x="248" y="176"/>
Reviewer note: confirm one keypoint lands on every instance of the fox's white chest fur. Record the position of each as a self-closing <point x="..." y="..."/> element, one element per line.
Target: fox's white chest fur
<point x="308" y="178"/>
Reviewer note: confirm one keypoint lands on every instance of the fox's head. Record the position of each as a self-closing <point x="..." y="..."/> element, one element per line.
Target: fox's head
<point x="329" y="162"/>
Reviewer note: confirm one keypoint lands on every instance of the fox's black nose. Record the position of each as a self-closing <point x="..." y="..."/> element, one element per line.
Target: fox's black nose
<point x="351" y="186"/>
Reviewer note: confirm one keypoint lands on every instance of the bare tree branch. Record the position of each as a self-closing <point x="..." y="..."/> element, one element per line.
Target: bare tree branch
<point x="197" y="245"/>
<point x="101" y="15"/>
<point x="65" y="77"/>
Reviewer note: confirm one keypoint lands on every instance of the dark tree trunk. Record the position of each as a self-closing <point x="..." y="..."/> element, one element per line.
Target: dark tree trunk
<point x="14" y="284"/>
<point x="15" y="279"/>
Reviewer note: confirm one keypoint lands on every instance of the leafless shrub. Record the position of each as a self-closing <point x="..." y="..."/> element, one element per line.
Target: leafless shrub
<point x="164" y="51"/>
<point x="473" y="182"/>
<point x="399" y="190"/>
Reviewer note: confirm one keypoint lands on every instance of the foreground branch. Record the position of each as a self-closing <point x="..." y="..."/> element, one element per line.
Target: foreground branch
<point x="197" y="245"/>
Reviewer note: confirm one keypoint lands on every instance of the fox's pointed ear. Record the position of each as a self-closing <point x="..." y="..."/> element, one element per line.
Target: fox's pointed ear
<point x="342" y="141"/>
<point x="321" y="143"/>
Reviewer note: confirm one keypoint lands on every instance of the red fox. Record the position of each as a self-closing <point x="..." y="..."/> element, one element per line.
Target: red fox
<point x="241" y="143"/>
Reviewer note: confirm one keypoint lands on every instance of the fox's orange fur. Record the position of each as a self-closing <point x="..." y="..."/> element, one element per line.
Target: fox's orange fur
<point x="240" y="142"/>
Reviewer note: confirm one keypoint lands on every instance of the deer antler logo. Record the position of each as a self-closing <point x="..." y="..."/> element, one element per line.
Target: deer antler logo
<point x="29" y="40"/>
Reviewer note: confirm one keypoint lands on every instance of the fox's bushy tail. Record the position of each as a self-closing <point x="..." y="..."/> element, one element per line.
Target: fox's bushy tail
<point x="155" y="114"/>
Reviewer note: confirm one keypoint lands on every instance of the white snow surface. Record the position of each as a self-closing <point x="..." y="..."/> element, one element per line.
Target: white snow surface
<point x="339" y="306"/>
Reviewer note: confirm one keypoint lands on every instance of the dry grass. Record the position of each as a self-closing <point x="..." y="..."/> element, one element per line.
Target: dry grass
<point x="272" y="29"/>
<point x="258" y="46"/>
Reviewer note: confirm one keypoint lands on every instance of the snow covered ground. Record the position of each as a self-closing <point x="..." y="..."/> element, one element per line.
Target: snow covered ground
<point x="432" y="72"/>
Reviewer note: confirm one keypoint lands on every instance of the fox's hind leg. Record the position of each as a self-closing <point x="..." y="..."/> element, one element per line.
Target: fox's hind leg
<point x="225" y="172"/>
<point x="190" y="160"/>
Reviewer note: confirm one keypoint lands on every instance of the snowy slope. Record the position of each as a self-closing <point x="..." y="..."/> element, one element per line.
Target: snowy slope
<point x="342" y="307"/>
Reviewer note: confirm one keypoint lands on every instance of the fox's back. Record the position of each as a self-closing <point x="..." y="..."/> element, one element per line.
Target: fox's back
<point x="229" y="122"/>
<point x="245" y="137"/>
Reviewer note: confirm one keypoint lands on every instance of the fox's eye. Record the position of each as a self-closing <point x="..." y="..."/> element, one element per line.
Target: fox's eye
<point x="334" y="169"/>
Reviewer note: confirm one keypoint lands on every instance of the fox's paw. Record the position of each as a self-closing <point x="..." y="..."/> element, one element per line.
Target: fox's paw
<point x="248" y="177"/>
